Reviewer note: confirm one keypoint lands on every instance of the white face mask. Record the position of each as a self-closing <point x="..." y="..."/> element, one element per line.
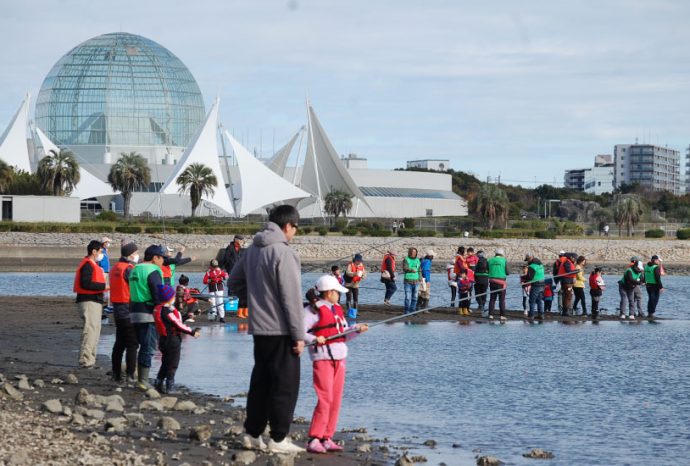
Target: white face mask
<point x="99" y="257"/>
<point x="134" y="258"/>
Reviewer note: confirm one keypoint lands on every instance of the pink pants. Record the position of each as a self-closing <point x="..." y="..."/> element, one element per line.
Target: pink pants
<point x="329" y="380"/>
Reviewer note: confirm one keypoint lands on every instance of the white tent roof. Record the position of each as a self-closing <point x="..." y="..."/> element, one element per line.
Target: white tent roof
<point x="89" y="185"/>
<point x="260" y="186"/>
<point x="279" y="161"/>
<point x="323" y="169"/>
<point x="13" y="145"/>
<point x="204" y="149"/>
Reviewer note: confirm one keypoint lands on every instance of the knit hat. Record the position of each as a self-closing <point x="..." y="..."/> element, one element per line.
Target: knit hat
<point x="128" y="249"/>
<point x="166" y="293"/>
<point x="238" y="237"/>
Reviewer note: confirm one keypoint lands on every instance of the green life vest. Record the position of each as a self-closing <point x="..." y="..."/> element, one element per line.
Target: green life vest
<point x="538" y="272"/>
<point x="649" y="277"/>
<point x="172" y="275"/>
<point x="412" y="264"/>
<point x="497" y="267"/>
<point x="139" y="291"/>
<point x="635" y="275"/>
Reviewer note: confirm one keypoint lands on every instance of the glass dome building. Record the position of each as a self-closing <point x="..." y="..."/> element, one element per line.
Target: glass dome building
<point x="116" y="93"/>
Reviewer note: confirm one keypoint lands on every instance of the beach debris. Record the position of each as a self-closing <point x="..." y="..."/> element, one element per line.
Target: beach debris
<point x="201" y="432"/>
<point x="489" y="461"/>
<point x="39" y="383"/>
<point x="430" y="443"/>
<point x="364" y="448"/>
<point x="150" y="405"/>
<point x="116" y="424"/>
<point x="168" y="423"/>
<point x="168" y="402"/>
<point x="52" y="406"/>
<point x="153" y="394"/>
<point x="24" y="384"/>
<point x="404" y="460"/>
<point x="12" y="392"/>
<point x="72" y="379"/>
<point x="538" y="453"/>
<point x="244" y="457"/>
<point x="186" y="405"/>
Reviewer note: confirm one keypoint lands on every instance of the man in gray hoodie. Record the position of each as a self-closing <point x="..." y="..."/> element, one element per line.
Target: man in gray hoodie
<point x="268" y="276"/>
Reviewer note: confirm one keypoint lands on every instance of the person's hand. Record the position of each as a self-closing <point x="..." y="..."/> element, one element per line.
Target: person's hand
<point x="193" y="258"/>
<point x="662" y="290"/>
<point x="196" y="333"/>
<point x="321" y="340"/>
<point x="182" y="249"/>
<point x="298" y="348"/>
<point x="361" y="328"/>
<point x="360" y="273"/>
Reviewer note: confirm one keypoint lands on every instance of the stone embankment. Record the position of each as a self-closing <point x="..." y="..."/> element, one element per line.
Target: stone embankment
<point x="51" y="251"/>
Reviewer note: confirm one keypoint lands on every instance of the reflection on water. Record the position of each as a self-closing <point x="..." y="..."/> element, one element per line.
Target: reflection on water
<point x="607" y="393"/>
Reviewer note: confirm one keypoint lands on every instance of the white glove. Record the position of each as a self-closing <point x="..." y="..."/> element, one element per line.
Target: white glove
<point x="360" y="273"/>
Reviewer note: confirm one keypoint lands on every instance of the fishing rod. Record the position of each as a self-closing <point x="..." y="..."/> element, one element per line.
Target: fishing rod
<point x="316" y="267"/>
<point x="419" y="311"/>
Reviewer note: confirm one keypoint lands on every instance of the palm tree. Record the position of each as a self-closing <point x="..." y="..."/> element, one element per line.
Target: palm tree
<point x="58" y="172"/>
<point x="198" y="180"/>
<point x="129" y="173"/>
<point x="492" y="205"/>
<point x="6" y="175"/>
<point x="337" y="202"/>
<point x="627" y="211"/>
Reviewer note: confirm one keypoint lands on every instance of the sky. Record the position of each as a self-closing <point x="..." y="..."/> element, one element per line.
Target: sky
<point x="517" y="89"/>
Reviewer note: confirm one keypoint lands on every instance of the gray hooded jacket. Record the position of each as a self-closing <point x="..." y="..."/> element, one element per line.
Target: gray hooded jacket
<point x="268" y="276"/>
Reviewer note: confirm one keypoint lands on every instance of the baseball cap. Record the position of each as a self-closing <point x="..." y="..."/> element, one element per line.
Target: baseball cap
<point x="655" y="257"/>
<point x="105" y="239"/>
<point x="500" y="252"/>
<point x="430" y="252"/>
<point x="153" y="250"/>
<point x="329" y="282"/>
<point x="561" y="252"/>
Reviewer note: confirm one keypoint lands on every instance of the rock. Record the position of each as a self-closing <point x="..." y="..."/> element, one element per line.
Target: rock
<point x="200" y="411"/>
<point x="12" y="392"/>
<point x="488" y="461"/>
<point x="404" y="460"/>
<point x="95" y="414"/>
<point x="185" y="406"/>
<point x="358" y="430"/>
<point x="39" y="383"/>
<point x="57" y="381"/>
<point x="456" y="445"/>
<point x="19" y="458"/>
<point x="538" y="453"/>
<point x="24" y="384"/>
<point x="234" y="430"/>
<point x="66" y="411"/>
<point x="168" y="402"/>
<point x="84" y="398"/>
<point x="135" y="419"/>
<point x="78" y="419"/>
<point x="300" y="420"/>
<point x="244" y="457"/>
<point x="364" y="448"/>
<point x="201" y="433"/>
<point x="72" y="379"/>
<point x="361" y="438"/>
<point x="153" y="394"/>
<point x="150" y="405"/>
<point x="2" y="378"/>
<point x="281" y="460"/>
<point x="430" y="443"/>
<point x="114" y="407"/>
<point x="52" y="406"/>
<point x="116" y="424"/>
<point x="419" y="459"/>
<point x="105" y="400"/>
<point x="168" y="423"/>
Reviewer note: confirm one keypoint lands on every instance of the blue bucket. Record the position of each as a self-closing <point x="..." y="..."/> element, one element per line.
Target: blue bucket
<point x="231" y="303"/>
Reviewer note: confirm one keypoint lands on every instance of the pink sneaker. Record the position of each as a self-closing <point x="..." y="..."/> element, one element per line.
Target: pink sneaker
<point x="315" y="446"/>
<point x="330" y="445"/>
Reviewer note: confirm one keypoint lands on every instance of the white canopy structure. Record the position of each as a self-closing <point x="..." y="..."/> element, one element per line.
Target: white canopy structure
<point x="204" y="149"/>
<point x="323" y="170"/>
<point x="89" y="185"/>
<point x="278" y="163"/>
<point x="260" y="186"/>
<point x="14" y="150"/>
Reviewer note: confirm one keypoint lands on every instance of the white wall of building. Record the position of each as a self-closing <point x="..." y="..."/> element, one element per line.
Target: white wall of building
<point x="599" y="180"/>
<point x="44" y="208"/>
<point x="430" y="164"/>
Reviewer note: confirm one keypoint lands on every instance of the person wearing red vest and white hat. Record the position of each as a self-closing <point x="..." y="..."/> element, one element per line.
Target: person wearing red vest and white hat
<point x="90" y="285"/>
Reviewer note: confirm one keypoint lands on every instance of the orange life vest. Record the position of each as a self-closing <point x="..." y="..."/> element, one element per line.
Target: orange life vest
<point x="460" y="265"/>
<point x="354" y="268"/>
<point x="98" y="277"/>
<point x="383" y="263"/>
<point x="167" y="272"/>
<point x="119" y="288"/>
<point x="561" y="268"/>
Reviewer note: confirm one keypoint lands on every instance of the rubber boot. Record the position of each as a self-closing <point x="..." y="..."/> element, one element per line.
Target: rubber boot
<point x="466" y="311"/>
<point x="158" y="385"/>
<point x="242" y="313"/>
<point x="143" y="378"/>
<point x="170" y="386"/>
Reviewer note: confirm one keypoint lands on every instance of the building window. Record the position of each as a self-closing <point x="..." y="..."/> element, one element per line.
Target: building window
<point x="429" y="212"/>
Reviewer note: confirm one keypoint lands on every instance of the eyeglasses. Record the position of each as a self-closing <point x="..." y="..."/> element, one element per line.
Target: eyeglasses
<point x="294" y="225"/>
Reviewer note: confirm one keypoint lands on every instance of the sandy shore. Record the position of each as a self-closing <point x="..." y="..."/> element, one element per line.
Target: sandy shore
<point x="58" y="252"/>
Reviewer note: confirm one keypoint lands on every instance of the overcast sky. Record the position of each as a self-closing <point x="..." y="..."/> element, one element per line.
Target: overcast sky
<point x="521" y="89"/>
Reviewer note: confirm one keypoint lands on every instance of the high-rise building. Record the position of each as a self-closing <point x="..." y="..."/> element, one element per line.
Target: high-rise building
<point x="595" y="180"/>
<point x="654" y="167"/>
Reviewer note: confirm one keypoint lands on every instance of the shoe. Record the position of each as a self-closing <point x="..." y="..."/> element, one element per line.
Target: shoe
<point x="452" y="304"/>
<point x="386" y="302"/>
<point x="632" y="317"/>
<point x="525" y="313"/>
<point x="622" y="316"/>
<point x="253" y="443"/>
<point x="131" y="379"/>
<point x="461" y="312"/>
<point x="158" y="385"/>
<point x="284" y="446"/>
<point x="108" y="309"/>
<point x="169" y="388"/>
<point x="330" y="445"/>
<point x="315" y="446"/>
<point x="189" y="321"/>
<point x="221" y="320"/>
<point x="503" y="318"/>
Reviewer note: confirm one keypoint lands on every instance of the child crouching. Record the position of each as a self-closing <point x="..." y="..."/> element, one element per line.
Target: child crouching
<point x="170" y="329"/>
<point x="324" y="318"/>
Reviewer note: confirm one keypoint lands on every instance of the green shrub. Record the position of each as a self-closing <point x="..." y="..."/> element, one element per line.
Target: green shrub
<point x="409" y="223"/>
<point x="156" y="229"/>
<point x="201" y="221"/>
<point x="92" y="228"/>
<point x="322" y="231"/>
<point x="306" y="230"/>
<point x="545" y="234"/>
<point x="376" y="226"/>
<point x="184" y="230"/>
<point x="379" y="233"/>
<point x="407" y="232"/>
<point x="655" y="233"/>
<point x="510" y="233"/>
<point x="132" y="229"/>
<point x="340" y="224"/>
<point x="350" y="231"/>
<point x="683" y="233"/>
<point x="107" y="216"/>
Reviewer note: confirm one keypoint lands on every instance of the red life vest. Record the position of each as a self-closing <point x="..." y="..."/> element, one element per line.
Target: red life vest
<point x="561" y="268"/>
<point x="98" y="277"/>
<point x="354" y="268"/>
<point x="215" y="276"/>
<point x="383" y="263"/>
<point x="460" y="265"/>
<point x="167" y="272"/>
<point x="331" y="322"/>
<point x="119" y="288"/>
<point x="472" y="260"/>
<point x="593" y="282"/>
<point x="548" y="292"/>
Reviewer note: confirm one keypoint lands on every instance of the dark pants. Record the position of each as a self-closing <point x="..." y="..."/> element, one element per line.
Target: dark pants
<point x="273" y="387"/>
<point x="464" y="299"/>
<point x="391" y="288"/>
<point x="480" y="287"/>
<point x="125" y="339"/>
<point x="653" y="294"/>
<point x="547" y="304"/>
<point x="567" y="289"/>
<point x="453" y="293"/>
<point x="352" y="298"/>
<point x="580" y="298"/>
<point x="596" y="297"/>
<point x="536" y="299"/>
<point x="146" y="336"/>
<point x="496" y="294"/>
<point x="170" y="356"/>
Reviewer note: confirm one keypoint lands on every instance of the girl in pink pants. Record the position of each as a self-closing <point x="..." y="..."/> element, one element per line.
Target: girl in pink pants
<point x="323" y="318"/>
